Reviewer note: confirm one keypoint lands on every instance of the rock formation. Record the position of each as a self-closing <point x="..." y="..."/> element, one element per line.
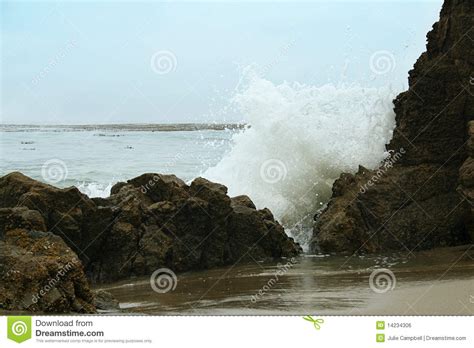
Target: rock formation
<point x="149" y="222"/>
<point x="38" y="271"/>
<point x="466" y="181"/>
<point x="412" y="201"/>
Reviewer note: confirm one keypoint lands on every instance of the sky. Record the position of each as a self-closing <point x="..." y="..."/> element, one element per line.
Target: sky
<point x="85" y="62"/>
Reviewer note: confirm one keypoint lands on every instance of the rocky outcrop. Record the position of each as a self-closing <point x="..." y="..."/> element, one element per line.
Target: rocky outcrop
<point x="466" y="181"/>
<point x="411" y="201"/>
<point x="38" y="271"/>
<point x="149" y="222"/>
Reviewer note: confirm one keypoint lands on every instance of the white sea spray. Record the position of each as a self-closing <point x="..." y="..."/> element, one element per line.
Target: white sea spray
<point x="300" y="139"/>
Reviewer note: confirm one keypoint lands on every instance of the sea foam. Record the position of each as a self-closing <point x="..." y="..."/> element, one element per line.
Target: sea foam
<point x="299" y="140"/>
<point x="93" y="189"/>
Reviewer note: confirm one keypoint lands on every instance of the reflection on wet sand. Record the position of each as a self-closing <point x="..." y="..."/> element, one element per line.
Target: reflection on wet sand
<point x="432" y="282"/>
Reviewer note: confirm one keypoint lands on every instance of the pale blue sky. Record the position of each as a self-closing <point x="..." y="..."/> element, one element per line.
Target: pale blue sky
<point x="89" y="61"/>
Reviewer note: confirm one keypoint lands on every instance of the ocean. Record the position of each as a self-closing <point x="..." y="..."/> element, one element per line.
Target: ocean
<point x="296" y="142"/>
<point x="93" y="158"/>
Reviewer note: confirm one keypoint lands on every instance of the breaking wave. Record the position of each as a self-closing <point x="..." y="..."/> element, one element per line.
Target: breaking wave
<point x="299" y="140"/>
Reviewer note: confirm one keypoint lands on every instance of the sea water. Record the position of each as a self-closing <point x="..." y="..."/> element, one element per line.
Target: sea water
<point x="94" y="160"/>
<point x="297" y="140"/>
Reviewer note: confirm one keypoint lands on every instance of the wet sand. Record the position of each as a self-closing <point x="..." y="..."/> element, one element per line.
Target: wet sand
<point x="437" y="282"/>
<point x="449" y="297"/>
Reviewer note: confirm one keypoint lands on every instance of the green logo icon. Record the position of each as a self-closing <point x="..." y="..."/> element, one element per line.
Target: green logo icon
<point x="380" y="338"/>
<point x="316" y="322"/>
<point x="19" y="328"/>
<point x="381" y="325"/>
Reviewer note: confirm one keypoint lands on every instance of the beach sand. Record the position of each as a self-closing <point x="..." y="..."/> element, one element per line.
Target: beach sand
<point x="443" y="297"/>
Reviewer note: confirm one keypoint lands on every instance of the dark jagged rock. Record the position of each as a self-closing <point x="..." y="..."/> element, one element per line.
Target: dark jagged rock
<point x="38" y="271"/>
<point x="182" y="227"/>
<point x="149" y="222"/>
<point x="66" y="212"/>
<point x="242" y="200"/>
<point x="414" y="203"/>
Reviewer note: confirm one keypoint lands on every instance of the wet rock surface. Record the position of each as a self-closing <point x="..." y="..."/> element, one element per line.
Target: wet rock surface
<point x="38" y="271"/>
<point x="413" y="202"/>
<point x="466" y="181"/>
<point x="149" y="222"/>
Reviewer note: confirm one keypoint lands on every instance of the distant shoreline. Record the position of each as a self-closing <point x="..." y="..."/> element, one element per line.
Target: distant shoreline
<point x="125" y="127"/>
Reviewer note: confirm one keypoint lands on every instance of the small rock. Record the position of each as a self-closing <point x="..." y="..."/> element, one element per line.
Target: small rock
<point x="105" y="300"/>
